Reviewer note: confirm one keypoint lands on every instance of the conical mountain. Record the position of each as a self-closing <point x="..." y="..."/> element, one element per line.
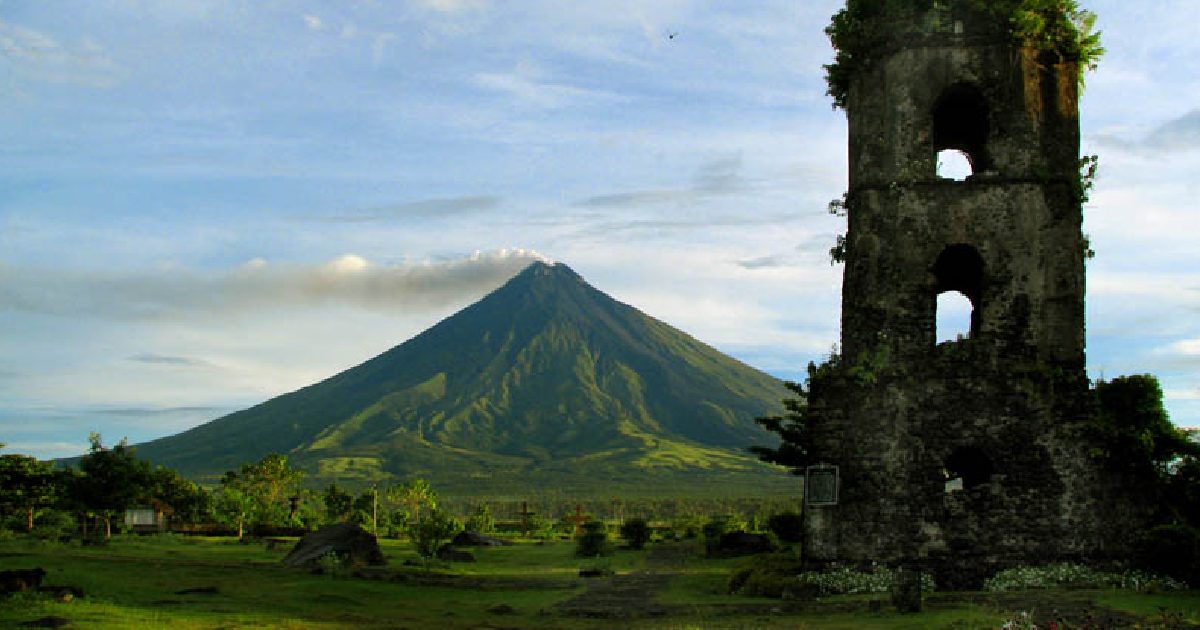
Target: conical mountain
<point x="544" y="380"/>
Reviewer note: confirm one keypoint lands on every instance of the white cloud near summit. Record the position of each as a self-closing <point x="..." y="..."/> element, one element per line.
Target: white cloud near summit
<point x="259" y="285"/>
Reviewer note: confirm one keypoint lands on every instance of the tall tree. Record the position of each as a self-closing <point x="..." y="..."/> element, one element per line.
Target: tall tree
<point x="26" y="484"/>
<point x="268" y="483"/>
<point x="113" y="480"/>
<point x="417" y="494"/>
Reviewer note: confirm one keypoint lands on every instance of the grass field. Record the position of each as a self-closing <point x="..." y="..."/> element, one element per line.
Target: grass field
<point x="180" y="583"/>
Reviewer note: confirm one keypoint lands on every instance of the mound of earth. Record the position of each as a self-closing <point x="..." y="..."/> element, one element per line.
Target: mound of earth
<point x="475" y="539"/>
<point x="351" y="544"/>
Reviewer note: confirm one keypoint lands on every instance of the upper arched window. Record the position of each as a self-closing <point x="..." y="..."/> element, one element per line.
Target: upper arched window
<point x="961" y="125"/>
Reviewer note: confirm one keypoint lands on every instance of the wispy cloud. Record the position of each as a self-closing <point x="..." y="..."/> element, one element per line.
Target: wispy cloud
<point x="721" y="176"/>
<point x="257" y="285"/>
<point x="424" y="209"/>
<point x="762" y="262"/>
<point x="1178" y="134"/>
<point x="529" y="85"/>
<point x="36" y="56"/>
<point x="452" y="6"/>
<point x="170" y="361"/>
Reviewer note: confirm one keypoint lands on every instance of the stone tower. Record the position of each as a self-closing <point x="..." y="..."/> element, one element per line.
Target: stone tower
<point x="963" y="457"/>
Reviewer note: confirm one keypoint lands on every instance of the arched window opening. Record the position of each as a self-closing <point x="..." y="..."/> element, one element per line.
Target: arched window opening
<point x="953" y="317"/>
<point x="966" y="468"/>
<point x="953" y="164"/>
<point x="959" y="275"/>
<point x="961" y="123"/>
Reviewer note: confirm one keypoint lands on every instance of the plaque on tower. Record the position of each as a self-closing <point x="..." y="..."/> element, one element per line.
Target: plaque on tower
<point x="821" y="485"/>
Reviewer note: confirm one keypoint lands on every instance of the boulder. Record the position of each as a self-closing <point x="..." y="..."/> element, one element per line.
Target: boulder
<point x="19" y="580"/>
<point x="475" y="539"/>
<point x="744" y="544"/>
<point x="447" y="553"/>
<point x="351" y="543"/>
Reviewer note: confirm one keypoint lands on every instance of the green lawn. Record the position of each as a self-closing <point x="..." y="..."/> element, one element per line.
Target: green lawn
<point x="136" y="582"/>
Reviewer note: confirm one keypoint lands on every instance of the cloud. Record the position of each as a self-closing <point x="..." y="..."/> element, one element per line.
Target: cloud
<point x="452" y="6"/>
<point x="258" y="285"/>
<point x="1179" y="134"/>
<point x="720" y="176"/>
<point x="424" y="209"/>
<point x="762" y="262"/>
<point x="313" y="22"/>
<point x="529" y="85"/>
<point x="169" y="360"/>
<point x="35" y="56"/>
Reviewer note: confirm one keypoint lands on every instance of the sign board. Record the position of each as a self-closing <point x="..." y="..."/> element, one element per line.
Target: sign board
<point x="821" y="485"/>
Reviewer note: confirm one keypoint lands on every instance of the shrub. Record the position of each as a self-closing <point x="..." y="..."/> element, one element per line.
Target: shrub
<point x="593" y="541"/>
<point x="481" y="521"/>
<point x="788" y="527"/>
<point x="636" y="531"/>
<point x="1172" y="550"/>
<point x="846" y="581"/>
<point x="432" y="531"/>
<point x="1077" y="576"/>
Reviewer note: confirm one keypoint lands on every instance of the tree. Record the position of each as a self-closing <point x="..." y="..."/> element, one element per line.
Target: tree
<point x="787" y="526"/>
<point x="1134" y="433"/>
<point x="26" y="484"/>
<point x="113" y="480"/>
<point x="234" y="507"/>
<point x="792" y="428"/>
<point x="430" y="533"/>
<point x="636" y="531"/>
<point x="180" y="498"/>
<point x="593" y="541"/>
<point x="481" y="521"/>
<point x="338" y="503"/>
<point x="269" y="483"/>
<point x="415" y="495"/>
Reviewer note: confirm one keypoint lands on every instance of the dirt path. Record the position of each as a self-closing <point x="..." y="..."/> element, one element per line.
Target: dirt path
<point x="632" y="594"/>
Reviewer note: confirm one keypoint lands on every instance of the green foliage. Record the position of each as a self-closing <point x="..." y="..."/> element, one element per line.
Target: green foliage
<point x="1077" y="576"/>
<point x="414" y="495"/>
<point x="788" y="527"/>
<point x="26" y="484"/>
<point x="113" y="480"/>
<point x="481" y="520"/>
<point x="593" y="541"/>
<point x="338" y="503"/>
<point x="437" y="528"/>
<point x="793" y="426"/>
<point x="860" y="30"/>
<point x="267" y="483"/>
<point x="1172" y="550"/>
<point x="180" y="499"/>
<point x="234" y="508"/>
<point x="838" y="580"/>
<point x="1133" y="431"/>
<point x="636" y="532"/>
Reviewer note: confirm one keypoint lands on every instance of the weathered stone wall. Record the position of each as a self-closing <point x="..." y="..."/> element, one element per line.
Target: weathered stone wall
<point x="1005" y="409"/>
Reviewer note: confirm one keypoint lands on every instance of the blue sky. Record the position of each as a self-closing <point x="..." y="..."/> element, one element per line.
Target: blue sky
<point x="205" y="204"/>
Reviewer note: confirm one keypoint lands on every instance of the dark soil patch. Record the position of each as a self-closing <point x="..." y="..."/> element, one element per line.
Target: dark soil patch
<point x="622" y="596"/>
<point x="467" y="582"/>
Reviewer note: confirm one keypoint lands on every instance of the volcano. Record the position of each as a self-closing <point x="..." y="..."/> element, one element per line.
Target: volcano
<point x="546" y="381"/>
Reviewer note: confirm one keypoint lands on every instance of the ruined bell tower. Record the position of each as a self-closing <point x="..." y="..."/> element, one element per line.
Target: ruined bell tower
<point x="961" y="456"/>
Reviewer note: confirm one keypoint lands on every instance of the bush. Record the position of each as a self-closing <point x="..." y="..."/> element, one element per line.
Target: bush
<point x="481" y="521"/>
<point x="846" y="581"/>
<point x="593" y="541"/>
<point x="636" y="531"/>
<point x="1172" y="550"/>
<point x="788" y="527"/>
<point x="1077" y="576"/>
<point x="431" y="532"/>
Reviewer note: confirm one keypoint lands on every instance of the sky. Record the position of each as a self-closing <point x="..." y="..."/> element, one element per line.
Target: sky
<point x="205" y="204"/>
